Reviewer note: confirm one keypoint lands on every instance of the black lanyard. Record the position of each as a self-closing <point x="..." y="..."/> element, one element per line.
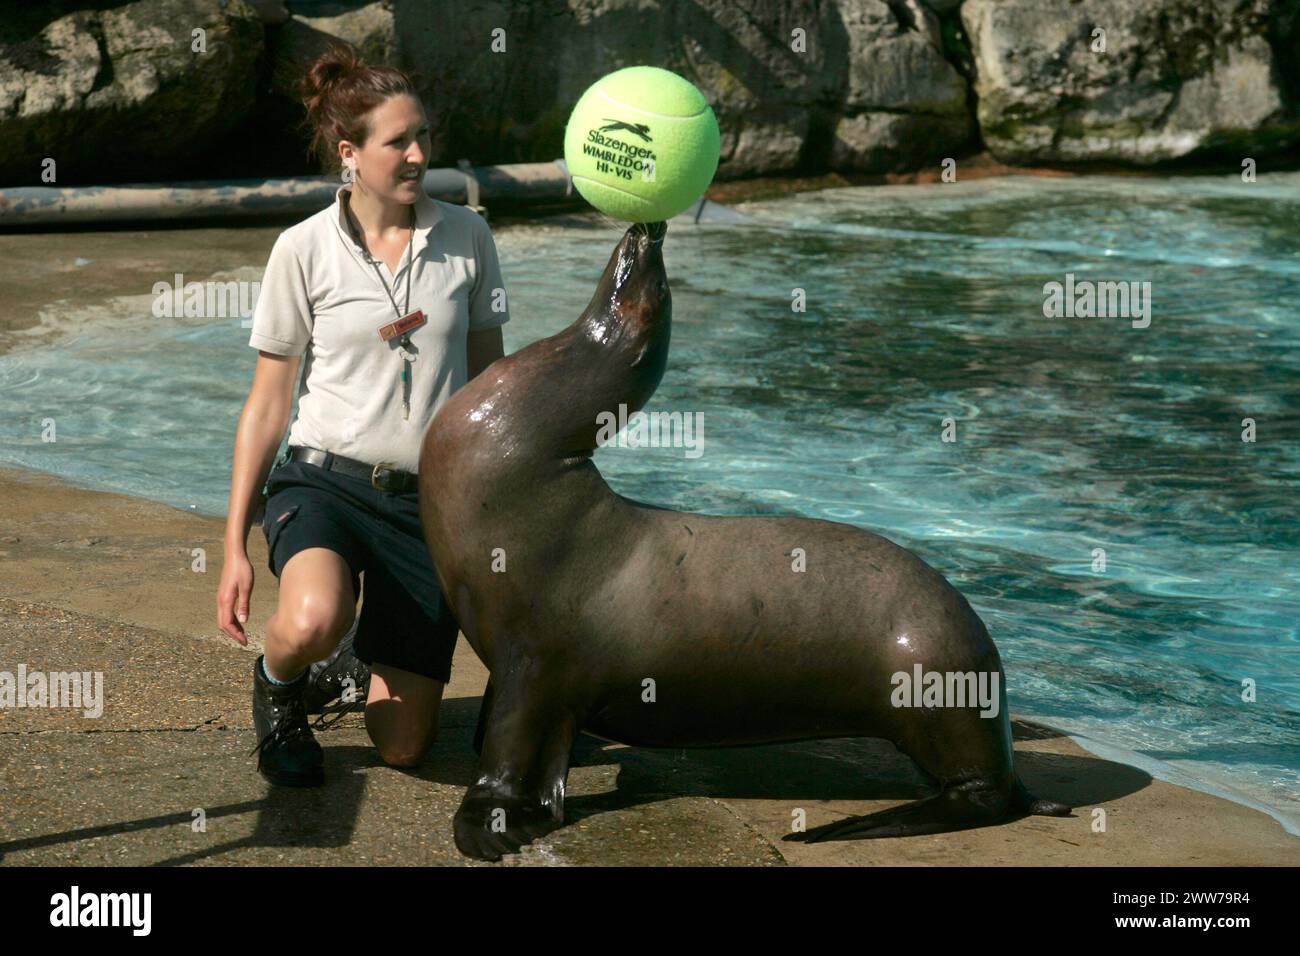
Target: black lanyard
<point x="405" y="340"/>
<point x="410" y="267"/>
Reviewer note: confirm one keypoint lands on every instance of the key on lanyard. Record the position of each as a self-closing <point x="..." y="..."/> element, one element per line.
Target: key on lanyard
<point x="407" y="358"/>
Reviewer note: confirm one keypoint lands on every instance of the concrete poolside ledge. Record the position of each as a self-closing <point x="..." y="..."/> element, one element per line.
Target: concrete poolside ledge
<point x="96" y="581"/>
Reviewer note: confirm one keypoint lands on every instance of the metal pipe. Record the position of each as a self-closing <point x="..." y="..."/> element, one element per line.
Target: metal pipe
<point x="50" y="205"/>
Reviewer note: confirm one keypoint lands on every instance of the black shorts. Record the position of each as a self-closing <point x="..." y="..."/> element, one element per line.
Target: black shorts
<point x="405" y="620"/>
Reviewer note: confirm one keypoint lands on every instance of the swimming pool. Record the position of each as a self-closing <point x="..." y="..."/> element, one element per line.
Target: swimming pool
<point x="924" y="316"/>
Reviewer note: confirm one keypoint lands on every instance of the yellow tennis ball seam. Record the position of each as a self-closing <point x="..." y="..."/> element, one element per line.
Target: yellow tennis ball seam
<point x="604" y="185"/>
<point x="641" y="109"/>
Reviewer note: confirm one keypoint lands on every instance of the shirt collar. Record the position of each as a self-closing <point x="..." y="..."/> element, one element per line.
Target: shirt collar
<point x="427" y="215"/>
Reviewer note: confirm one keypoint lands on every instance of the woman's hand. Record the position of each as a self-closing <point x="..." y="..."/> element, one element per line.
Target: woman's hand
<point x="232" y="596"/>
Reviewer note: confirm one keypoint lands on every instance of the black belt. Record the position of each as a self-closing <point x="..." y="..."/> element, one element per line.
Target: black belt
<point x="380" y="476"/>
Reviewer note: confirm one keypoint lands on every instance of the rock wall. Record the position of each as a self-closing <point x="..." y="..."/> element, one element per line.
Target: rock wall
<point x="1132" y="81"/>
<point x="795" y="84"/>
<point x="118" y="90"/>
<point x="114" y="91"/>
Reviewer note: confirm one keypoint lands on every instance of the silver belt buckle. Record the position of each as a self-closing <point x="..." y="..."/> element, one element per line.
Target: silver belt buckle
<point x="374" y="474"/>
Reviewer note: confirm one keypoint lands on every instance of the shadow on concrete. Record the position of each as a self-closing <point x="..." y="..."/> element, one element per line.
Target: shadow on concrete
<point x="125" y="826"/>
<point x="839" y="769"/>
<point x="842" y="769"/>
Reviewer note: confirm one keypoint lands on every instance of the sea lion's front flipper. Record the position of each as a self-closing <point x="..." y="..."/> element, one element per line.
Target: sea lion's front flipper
<point x="519" y="794"/>
<point x="483" y="711"/>
<point x="493" y="821"/>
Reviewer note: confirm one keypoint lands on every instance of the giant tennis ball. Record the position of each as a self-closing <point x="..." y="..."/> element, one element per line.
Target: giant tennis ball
<point x="642" y="144"/>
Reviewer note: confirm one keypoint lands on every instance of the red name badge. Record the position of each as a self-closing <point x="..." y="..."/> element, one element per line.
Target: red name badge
<point x="407" y="323"/>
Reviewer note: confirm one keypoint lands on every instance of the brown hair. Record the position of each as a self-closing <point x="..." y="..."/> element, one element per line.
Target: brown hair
<point x="338" y="91"/>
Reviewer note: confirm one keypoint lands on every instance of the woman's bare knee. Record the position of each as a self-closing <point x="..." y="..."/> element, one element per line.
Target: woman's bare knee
<point x="310" y="630"/>
<point x="315" y="609"/>
<point x="398" y="746"/>
<point x="396" y="754"/>
<point x="402" y="714"/>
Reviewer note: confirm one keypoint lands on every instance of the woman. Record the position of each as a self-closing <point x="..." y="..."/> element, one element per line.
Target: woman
<point x="345" y="499"/>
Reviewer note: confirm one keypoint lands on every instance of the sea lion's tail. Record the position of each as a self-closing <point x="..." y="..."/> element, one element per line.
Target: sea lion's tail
<point x="1025" y="802"/>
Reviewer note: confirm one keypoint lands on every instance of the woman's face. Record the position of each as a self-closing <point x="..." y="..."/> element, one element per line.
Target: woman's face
<point x="391" y="164"/>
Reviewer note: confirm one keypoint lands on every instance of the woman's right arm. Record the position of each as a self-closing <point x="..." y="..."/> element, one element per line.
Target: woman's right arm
<point x="257" y="439"/>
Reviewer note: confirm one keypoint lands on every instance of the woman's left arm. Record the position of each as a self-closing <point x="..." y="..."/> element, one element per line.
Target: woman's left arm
<point x="482" y="349"/>
<point x="487" y="306"/>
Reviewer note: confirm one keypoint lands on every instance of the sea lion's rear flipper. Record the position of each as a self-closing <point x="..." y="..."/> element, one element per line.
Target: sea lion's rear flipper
<point x="945" y="813"/>
<point x="965" y="807"/>
<point x="1026" y="802"/>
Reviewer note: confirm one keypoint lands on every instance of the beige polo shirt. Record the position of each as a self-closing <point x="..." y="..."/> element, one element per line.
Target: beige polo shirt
<point x="319" y="297"/>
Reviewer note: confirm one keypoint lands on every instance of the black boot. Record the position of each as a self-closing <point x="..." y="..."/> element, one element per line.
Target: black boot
<point x="327" y="679"/>
<point x="287" y="753"/>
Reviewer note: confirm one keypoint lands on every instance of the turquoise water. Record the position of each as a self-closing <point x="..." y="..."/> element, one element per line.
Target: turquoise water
<point x="923" y="303"/>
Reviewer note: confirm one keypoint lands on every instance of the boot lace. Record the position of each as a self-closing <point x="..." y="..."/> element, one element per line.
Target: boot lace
<point x="291" y="725"/>
<point x="337" y="710"/>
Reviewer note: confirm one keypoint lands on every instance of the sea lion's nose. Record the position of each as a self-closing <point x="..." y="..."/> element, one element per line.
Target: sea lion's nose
<point x="647" y="234"/>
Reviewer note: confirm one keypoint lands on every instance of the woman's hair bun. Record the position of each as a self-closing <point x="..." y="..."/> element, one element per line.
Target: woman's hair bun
<point x="329" y="70"/>
<point x="338" y="91"/>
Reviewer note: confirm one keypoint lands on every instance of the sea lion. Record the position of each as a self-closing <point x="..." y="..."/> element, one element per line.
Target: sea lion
<point x="658" y="628"/>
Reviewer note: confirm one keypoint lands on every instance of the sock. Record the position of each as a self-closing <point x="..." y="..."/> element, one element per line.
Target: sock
<point x="279" y="683"/>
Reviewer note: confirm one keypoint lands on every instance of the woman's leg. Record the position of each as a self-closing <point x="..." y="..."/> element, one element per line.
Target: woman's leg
<point x="402" y="713"/>
<point x="315" y="609"/>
